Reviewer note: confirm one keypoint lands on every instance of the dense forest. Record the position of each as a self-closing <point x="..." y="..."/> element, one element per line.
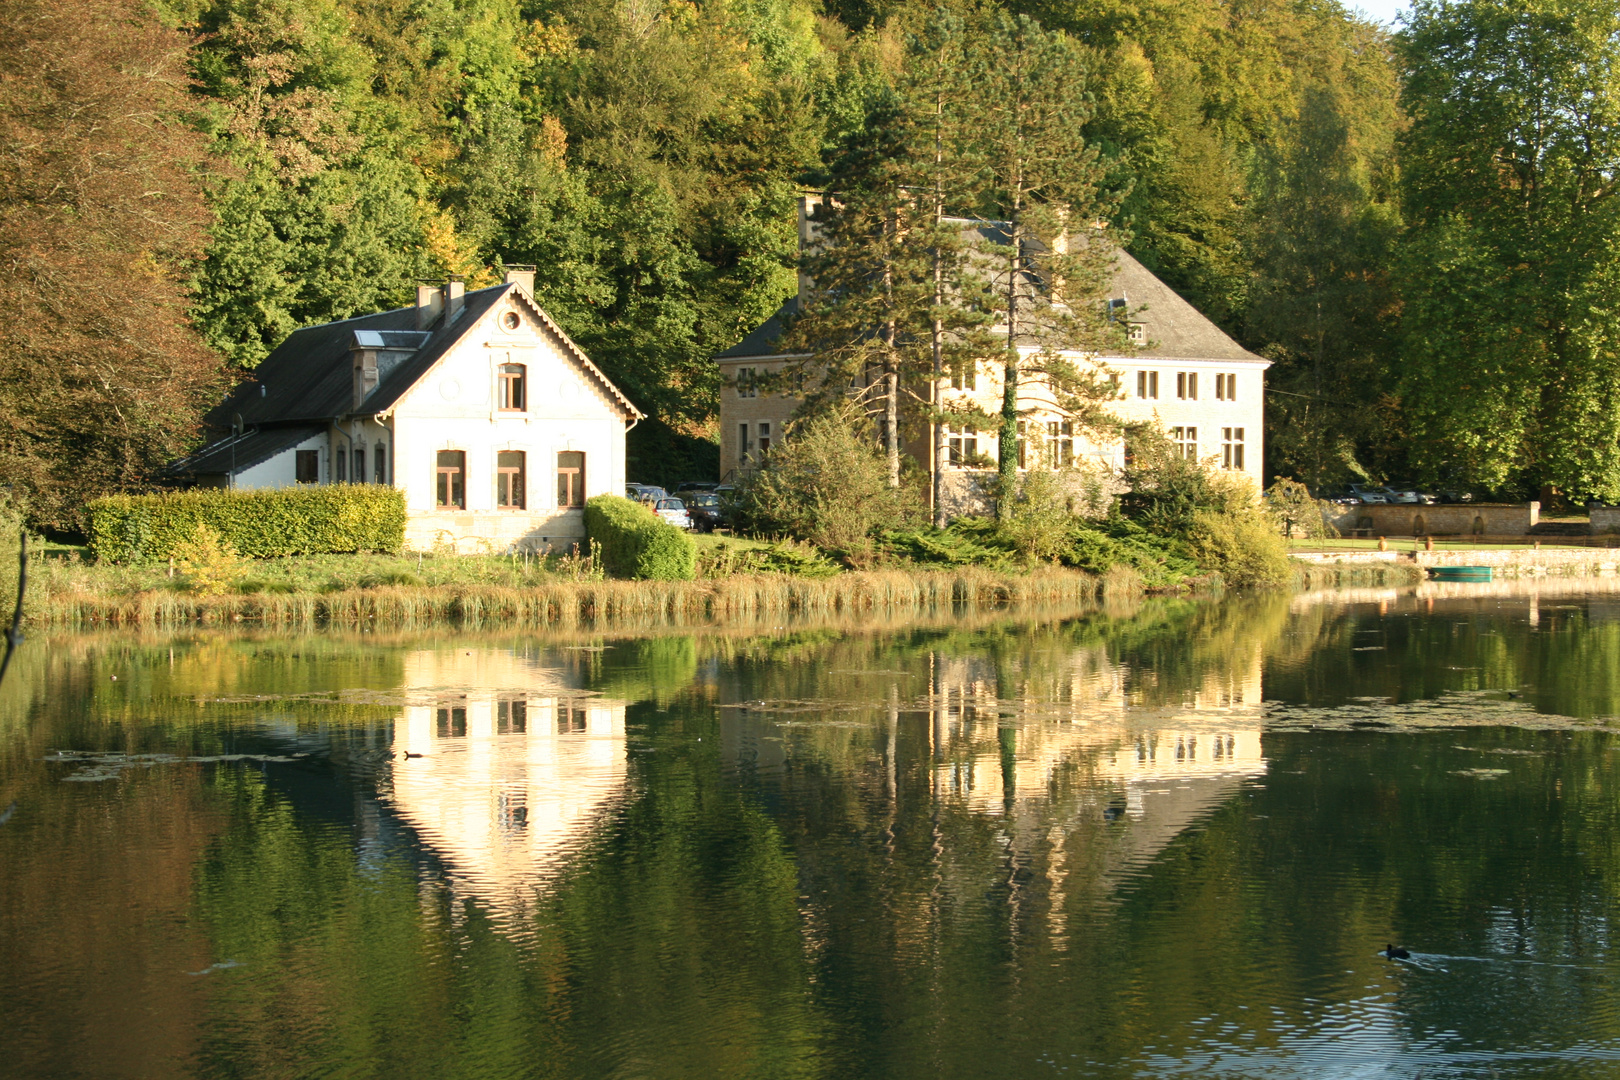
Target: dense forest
<point x="1414" y="226"/>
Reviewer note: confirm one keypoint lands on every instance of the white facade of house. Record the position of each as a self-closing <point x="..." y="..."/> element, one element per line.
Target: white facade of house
<point x="456" y="407"/>
<point x="477" y="406"/>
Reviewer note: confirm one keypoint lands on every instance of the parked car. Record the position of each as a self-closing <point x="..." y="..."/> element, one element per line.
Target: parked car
<point x="704" y="509"/>
<point x="1374" y="494"/>
<point x="1409" y="493"/>
<point x="646" y="494"/>
<point x="693" y="486"/>
<point x="1452" y="496"/>
<point x="674" y="512"/>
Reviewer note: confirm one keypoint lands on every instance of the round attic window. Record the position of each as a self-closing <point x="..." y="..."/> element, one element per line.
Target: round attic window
<point x="511" y="321"/>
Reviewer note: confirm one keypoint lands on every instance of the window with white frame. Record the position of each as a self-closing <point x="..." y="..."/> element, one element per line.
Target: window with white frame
<point x="1225" y="387"/>
<point x="1136" y="333"/>
<point x="963" y="445"/>
<point x="1060" y="443"/>
<point x="1186" y="440"/>
<point x="747" y="385"/>
<point x="1187" y="385"/>
<point x="1231" y="447"/>
<point x="965" y="376"/>
<point x="1147" y="385"/>
<point x="764" y="438"/>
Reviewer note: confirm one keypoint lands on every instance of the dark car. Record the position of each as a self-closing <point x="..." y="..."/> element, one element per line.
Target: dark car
<point x="692" y="487"/>
<point x="704" y="508"/>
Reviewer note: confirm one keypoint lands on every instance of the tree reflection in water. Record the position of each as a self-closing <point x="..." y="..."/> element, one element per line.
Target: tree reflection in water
<point x="983" y="846"/>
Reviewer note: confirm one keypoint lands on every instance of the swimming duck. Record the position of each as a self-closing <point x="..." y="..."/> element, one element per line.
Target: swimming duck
<point x="1396" y="954"/>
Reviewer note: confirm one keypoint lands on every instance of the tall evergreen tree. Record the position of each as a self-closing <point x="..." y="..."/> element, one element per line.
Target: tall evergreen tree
<point x="1039" y="176"/>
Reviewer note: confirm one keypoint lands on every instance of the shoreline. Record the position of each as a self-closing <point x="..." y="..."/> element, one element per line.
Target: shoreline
<point x="564" y="604"/>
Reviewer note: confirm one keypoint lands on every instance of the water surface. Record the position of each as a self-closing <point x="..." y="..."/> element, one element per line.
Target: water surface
<point x="1163" y="839"/>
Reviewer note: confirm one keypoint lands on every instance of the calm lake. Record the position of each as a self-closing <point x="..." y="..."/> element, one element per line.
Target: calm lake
<point x="1159" y="839"/>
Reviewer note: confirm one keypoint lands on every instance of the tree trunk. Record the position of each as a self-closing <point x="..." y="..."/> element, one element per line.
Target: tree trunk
<point x="1007" y="471"/>
<point x="938" y="429"/>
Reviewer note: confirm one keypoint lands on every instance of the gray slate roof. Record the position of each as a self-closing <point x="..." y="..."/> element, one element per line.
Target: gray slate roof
<point x="1175" y="330"/>
<point x="309" y="378"/>
<point x="243" y="451"/>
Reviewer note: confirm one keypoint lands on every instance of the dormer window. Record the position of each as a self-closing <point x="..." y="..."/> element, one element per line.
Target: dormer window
<point x="514" y="391"/>
<point x="1137" y="333"/>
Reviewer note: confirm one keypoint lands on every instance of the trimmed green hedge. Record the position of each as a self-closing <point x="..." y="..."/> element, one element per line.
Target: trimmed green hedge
<point x="637" y="543"/>
<point x="306" y="520"/>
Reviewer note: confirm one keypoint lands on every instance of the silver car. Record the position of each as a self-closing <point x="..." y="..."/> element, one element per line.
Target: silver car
<point x="674" y="512"/>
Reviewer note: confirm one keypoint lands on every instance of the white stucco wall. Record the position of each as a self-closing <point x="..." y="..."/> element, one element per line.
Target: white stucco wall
<point x="282" y="470"/>
<point x="456" y="406"/>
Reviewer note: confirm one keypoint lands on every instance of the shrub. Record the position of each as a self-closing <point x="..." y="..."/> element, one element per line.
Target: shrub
<point x="825" y="483"/>
<point x="208" y="561"/>
<point x="1245" y="549"/>
<point x="330" y="518"/>
<point x="967" y="541"/>
<point x="1297" y="514"/>
<point x="636" y="543"/>
<point x="1158" y="561"/>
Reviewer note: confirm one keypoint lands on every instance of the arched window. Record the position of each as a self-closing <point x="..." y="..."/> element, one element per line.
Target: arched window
<point x="514" y="388"/>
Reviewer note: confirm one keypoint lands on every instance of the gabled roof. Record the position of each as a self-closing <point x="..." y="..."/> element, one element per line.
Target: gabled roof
<point x="309" y="377"/>
<point x="1174" y="329"/>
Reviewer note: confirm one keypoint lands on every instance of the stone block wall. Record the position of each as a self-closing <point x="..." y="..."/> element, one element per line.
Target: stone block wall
<point x="1605" y="519"/>
<point x="1476" y="519"/>
<point x="475" y="532"/>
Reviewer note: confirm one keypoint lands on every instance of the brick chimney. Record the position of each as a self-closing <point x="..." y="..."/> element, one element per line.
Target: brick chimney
<point x="455" y="298"/>
<point x="429" y="305"/>
<point x="522" y="276"/>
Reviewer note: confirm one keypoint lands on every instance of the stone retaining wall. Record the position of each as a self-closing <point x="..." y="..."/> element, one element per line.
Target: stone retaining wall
<point x="1605" y="519"/>
<point x="1453" y="520"/>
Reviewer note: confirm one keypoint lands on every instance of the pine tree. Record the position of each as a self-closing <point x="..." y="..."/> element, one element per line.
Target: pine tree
<point x="1039" y="176"/>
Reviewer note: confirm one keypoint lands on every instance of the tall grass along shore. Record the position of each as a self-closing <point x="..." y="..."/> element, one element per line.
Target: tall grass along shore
<point x="564" y="603"/>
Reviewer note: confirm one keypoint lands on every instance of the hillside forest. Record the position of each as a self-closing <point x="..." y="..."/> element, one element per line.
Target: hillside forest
<point x="1414" y="225"/>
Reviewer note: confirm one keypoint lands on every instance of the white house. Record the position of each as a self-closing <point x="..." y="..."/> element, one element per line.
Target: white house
<point x="1186" y="376"/>
<point x="476" y="405"/>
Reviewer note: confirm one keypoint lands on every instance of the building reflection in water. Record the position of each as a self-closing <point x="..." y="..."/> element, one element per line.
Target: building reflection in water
<point x="516" y="768"/>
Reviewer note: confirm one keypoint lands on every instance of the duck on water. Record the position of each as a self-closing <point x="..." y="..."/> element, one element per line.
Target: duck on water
<point x="1395" y="953"/>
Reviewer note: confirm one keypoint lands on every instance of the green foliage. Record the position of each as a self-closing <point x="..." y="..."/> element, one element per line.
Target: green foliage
<point x="257" y="524"/>
<point x="825" y="483"/>
<point x="967" y="541"/>
<point x="1159" y="561"/>
<point x="1215" y="515"/>
<point x="636" y="543"/>
<point x="1296" y="513"/>
<point x="209" y="562"/>
<point x="1244" y="548"/>
<point x="724" y="558"/>
<point x="1512" y="263"/>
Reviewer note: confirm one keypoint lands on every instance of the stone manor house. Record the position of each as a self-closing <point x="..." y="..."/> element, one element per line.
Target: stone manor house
<point x="476" y="405"/>
<point x="1185" y="375"/>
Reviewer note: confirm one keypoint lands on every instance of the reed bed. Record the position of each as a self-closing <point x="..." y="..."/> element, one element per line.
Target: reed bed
<point x="1318" y="576"/>
<point x="567" y="604"/>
